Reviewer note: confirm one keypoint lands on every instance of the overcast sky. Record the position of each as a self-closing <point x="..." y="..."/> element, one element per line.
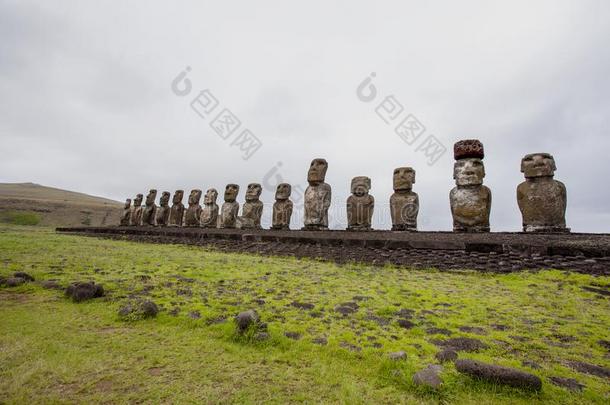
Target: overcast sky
<point x="87" y="104"/>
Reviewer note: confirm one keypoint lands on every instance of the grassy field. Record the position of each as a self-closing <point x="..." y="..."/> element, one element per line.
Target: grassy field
<point x="56" y="351"/>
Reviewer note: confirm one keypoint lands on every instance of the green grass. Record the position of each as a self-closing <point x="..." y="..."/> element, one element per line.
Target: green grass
<point x="19" y="218"/>
<point x="55" y="351"/>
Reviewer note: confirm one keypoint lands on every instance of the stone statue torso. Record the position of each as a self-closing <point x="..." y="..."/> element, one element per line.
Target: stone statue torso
<point x="209" y="216"/>
<point x="404" y="207"/>
<point x="317" y="201"/>
<point x="360" y="212"/>
<point x="228" y="214"/>
<point x="251" y="214"/>
<point x="282" y="211"/>
<point x="136" y="216"/>
<point x="162" y="215"/>
<point x="126" y="217"/>
<point x="470" y="207"/>
<point x="176" y="214"/>
<point x="542" y="203"/>
<point x="192" y="215"/>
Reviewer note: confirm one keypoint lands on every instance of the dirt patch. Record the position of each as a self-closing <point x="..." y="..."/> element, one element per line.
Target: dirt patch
<point x="569" y="383"/>
<point x="591" y="369"/>
<point x="104" y="386"/>
<point x="461" y="344"/>
<point x="155" y="371"/>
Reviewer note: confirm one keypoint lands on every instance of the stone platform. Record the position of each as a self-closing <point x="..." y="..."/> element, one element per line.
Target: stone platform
<point x="496" y="252"/>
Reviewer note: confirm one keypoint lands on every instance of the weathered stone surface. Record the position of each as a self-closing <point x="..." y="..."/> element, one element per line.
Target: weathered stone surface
<point x="193" y="212"/>
<point x="163" y="211"/>
<point x="126" y="214"/>
<point x="136" y="214"/>
<point x="401" y="355"/>
<point x="282" y="208"/>
<point x="51" y="285"/>
<point x="23" y="275"/>
<point x="461" y="344"/>
<point x="253" y="208"/>
<point x="470" y="199"/>
<point x="592" y="369"/>
<point x="12" y="281"/>
<point x="498" y="374"/>
<point x="209" y="215"/>
<point x="150" y="209"/>
<point x="317" y="197"/>
<point x="404" y="203"/>
<point x="568" y="383"/>
<point x="176" y="214"/>
<point x="360" y="205"/>
<point x="230" y="208"/>
<point x="446" y="355"/>
<point x="137" y="310"/>
<point x="84" y="290"/>
<point x="429" y="376"/>
<point x="468" y="148"/>
<point x="245" y="319"/>
<point x="542" y="200"/>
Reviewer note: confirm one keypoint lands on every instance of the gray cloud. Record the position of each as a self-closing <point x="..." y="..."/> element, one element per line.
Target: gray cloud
<point x="86" y="102"/>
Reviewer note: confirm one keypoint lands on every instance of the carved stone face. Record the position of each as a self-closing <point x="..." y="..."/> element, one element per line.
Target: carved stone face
<point x="150" y="198"/>
<point x="468" y="172"/>
<point x="195" y="197"/>
<point x="127" y="203"/>
<point x="538" y="165"/>
<point x="138" y="200"/>
<point x="361" y="186"/>
<point x="210" y="196"/>
<point x="164" y="200"/>
<point x="231" y="192"/>
<point x="317" y="171"/>
<point x="404" y="178"/>
<point x="253" y="192"/>
<point x="178" y="195"/>
<point x="283" y="191"/>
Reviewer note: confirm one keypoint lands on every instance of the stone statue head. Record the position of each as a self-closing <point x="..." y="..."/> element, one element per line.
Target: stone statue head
<point x="317" y="171"/>
<point x="468" y="172"/>
<point x="360" y="186"/>
<point x="282" y="192"/>
<point x="231" y="192"/>
<point x="138" y="200"/>
<point x="164" y="200"/>
<point x="127" y="203"/>
<point x="178" y="195"/>
<point x="195" y="197"/>
<point x="210" y="196"/>
<point x="404" y="178"/>
<point x="150" y="198"/>
<point x="253" y="192"/>
<point x="538" y="165"/>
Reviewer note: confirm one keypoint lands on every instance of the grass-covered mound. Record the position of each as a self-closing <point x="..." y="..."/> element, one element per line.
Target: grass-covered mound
<point x="330" y="329"/>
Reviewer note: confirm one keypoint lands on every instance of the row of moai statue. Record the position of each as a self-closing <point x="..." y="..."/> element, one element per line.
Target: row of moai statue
<point x="542" y="200"/>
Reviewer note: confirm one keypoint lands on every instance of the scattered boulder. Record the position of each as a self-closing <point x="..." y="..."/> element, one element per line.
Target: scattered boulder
<point x="322" y="341"/>
<point x="401" y="355"/>
<point x="84" y="290"/>
<point x="405" y="323"/>
<point x="429" y="376"/>
<point x="438" y="331"/>
<point x="138" y="310"/>
<point x="477" y="330"/>
<point x="260" y="336"/>
<point x="245" y="319"/>
<point x="461" y="344"/>
<point x="302" y="305"/>
<point x="292" y="335"/>
<point x="50" y="285"/>
<point x="446" y="355"/>
<point x="531" y="364"/>
<point x="498" y="374"/>
<point x="23" y="275"/>
<point x="13" y="281"/>
<point x="592" y="369"/>
<point x="569" y="383"/>
<point x="347" y="308"/>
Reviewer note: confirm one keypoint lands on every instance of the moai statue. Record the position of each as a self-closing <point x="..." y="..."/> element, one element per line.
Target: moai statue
<point x="126" y="215"/>
<point x="176" y="214"/>
<point x="209" y="215"/>
<point x="542" y="200"/>
<point x="230" y="208"/>
<point x="360" y="205"/>
<point x="163" y="210"/>
<point x="136" y="214"/>
<point x="470" y="199"/>
<point x="404" y="203"/>
<point x="150" y="209"/>
<point x="282" y="208"/>
<point x="252" y="210"/>
<point x="317" y="197"/>
<point x="193" y="212"/>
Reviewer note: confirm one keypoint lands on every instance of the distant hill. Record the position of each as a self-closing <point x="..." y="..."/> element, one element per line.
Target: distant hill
<point x="29" y="203"/>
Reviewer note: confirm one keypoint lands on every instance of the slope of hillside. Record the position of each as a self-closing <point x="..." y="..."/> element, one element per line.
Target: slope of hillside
<point x="29" y="203"/>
